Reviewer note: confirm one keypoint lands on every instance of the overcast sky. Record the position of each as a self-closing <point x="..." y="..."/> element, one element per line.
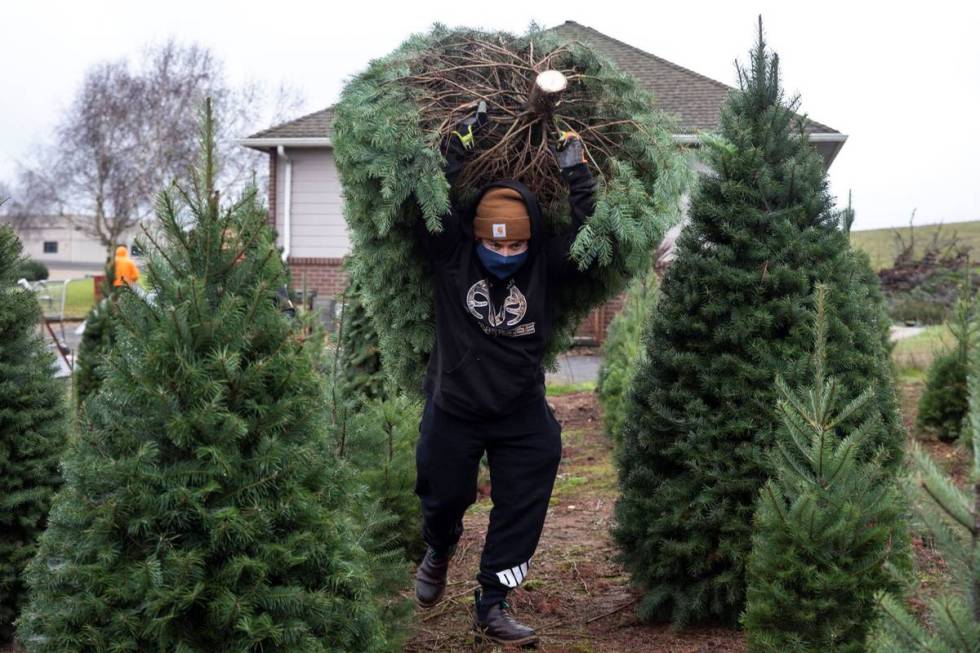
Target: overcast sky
<point x="903" y="84"/>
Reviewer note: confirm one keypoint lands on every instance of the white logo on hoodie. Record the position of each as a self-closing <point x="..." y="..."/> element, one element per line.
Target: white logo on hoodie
<point x="480" y="306"/>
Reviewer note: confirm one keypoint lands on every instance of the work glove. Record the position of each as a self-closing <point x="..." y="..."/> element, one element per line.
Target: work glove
<point x="570" y="150"/>
<point x="463" y="138"/>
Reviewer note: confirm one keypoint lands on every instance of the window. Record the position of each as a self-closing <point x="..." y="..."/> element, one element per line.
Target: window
<point x="135" y="250"/>
<point x="51" y="247"/>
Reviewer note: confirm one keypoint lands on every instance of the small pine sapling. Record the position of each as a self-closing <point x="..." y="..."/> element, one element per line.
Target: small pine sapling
<point x="943" y="406"/>
<point x="825" y="523"/>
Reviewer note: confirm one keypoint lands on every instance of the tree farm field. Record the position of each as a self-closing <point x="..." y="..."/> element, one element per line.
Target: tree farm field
<point x="237" y="479"/>
<point x="578" y="598"/>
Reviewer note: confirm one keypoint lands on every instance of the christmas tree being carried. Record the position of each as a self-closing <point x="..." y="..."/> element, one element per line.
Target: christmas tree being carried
<point x="390" y="131"/>
<point x="732" y="314"/>
<point x="203" y="510"/>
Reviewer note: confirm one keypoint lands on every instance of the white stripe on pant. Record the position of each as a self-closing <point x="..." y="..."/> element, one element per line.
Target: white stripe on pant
<point x="512" y="577"/>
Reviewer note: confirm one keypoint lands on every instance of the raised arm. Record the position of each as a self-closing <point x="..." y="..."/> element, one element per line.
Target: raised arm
<point x="457" y="147"/>
<point x="581" y="199"/>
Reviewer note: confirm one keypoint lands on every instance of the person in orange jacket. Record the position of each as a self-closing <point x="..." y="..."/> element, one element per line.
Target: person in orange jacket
<point x="125" y="267"/>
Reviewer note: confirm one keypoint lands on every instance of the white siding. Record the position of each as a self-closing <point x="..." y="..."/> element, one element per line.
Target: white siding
<point x="318" y="229"/>
<point x="73" y="245"/>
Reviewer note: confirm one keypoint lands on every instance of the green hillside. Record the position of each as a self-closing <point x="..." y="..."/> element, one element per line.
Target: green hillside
<point x="880" y="243"/>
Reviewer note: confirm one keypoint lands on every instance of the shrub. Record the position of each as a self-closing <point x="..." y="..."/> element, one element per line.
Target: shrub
<point x="943" y="404"/>
<point x="32" y="270"/>
<point x="97" y="341"/>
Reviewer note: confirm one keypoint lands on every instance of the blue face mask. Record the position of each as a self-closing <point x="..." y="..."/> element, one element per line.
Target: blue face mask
<point x="499" y="265"/>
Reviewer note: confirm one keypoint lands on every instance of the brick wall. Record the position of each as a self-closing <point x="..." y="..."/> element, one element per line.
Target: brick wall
<point x="273" y="161"/>
<point x="595" y="326"/>
<point x="328" y="277"/>
<point x="325" y="275"/>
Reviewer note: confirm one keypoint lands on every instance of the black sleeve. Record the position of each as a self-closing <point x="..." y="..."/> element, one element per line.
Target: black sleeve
<point x="581" y="199"/>
<point x="440" y="245"/>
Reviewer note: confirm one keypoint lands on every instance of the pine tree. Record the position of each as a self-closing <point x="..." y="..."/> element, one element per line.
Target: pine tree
<point x="359" y="358"/>
<point x="951" y="516"/>
<point x="388" y="157"/>
<point x="622" y="352"/>
<point x="203" y="509"/>
<point x="32" y="430"/>
<point x="381" y="445"/>
<point x="732" y="313"/>
<point x="825" y="522"/>
<point x="374" y="429"/>
<point x="96" y="343"/>
<point x="943" y="405"/>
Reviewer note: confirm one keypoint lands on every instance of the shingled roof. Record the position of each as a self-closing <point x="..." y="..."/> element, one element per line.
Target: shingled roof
<point x="693" y="99"/>
<point x="318" y="124"/>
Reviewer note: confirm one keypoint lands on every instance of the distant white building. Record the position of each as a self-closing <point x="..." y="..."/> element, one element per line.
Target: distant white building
<point x="62" y="244"/>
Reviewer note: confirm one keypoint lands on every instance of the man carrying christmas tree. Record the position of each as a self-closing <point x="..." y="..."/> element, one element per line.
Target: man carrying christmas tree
<point x="494" y="276"/>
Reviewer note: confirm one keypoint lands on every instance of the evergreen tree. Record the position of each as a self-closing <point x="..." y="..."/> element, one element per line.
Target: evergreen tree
<point x="97" y="340"/>
<point x="951" y="516"/>
<point x="203" y="509"/>
<point x="375" y="430"/>
<point x="943" y="405"/>
<point x="32" y="430"/>
<point x="732" y="313"/>
<point x="380" y="444"/>
<point x="359" y="353"/>
<point x="825" y="523"/>
<point x="623" y="351"/>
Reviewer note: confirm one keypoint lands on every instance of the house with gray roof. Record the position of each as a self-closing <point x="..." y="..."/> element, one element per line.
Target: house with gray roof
<point x="305" y="195"/>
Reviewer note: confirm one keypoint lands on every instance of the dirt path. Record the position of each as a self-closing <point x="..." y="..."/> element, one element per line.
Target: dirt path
<point x="575" y="596"/>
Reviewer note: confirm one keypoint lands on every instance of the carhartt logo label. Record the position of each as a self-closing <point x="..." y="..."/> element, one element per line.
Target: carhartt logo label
<point x="500" y="231"/>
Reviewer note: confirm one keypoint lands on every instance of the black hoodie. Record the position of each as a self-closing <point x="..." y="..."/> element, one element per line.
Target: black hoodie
<point x="491" y="334"/>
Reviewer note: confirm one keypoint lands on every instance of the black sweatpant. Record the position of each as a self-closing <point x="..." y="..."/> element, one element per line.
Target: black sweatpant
<point x="523" y="451"/>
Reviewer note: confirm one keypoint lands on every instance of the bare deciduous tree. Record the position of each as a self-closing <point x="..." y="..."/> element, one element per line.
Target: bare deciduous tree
<point x="129" y="132"/>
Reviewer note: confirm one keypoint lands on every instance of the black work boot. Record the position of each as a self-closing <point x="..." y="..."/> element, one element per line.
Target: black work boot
<point x="496" y="624"/>
<point x="430" y="577"/>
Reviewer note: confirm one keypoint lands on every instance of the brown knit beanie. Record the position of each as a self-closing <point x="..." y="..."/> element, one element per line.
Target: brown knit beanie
<point x="502" y="215"/>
